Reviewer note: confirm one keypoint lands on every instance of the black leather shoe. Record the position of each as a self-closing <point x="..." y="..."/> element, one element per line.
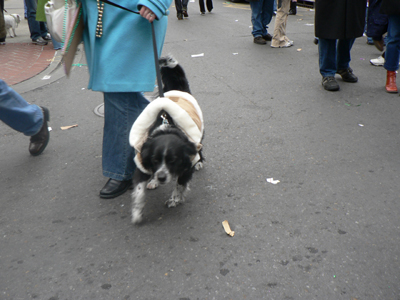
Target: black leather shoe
<point x="47" y="37"/>
<point x="114" y="188"/>
<point x="185" y="13"/>
<point x="347" y="75"/>
<point x="40" y="140"/>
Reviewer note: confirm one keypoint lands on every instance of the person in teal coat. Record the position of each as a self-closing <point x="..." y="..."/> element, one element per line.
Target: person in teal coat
<point x="119" y="52"/>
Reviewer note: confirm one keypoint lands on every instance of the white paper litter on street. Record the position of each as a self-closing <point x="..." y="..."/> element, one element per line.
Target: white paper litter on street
<point x="198" y="55"/>
<point x="271" y="180"/>
<point x="46" y="77"/>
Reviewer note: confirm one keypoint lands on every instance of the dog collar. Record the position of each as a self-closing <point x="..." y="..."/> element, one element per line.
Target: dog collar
<point x="165" y="119"/>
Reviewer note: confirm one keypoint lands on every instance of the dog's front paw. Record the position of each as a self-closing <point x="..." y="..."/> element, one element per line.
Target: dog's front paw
<point x="199" y="166"/>
<point x="172" y="202"/>
<point x="153" y="184"/>
<point x="175" y="200"/>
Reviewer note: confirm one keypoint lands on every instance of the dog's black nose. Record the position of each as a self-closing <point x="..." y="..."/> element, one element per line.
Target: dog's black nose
<point x="162" y="177"/>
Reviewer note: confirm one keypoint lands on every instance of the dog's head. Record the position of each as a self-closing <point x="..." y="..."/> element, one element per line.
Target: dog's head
<point x="17" y="18"/>
<point x="167" y="155"/>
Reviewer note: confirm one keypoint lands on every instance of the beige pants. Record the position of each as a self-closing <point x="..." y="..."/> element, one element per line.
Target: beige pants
<point x="279" y="38"/>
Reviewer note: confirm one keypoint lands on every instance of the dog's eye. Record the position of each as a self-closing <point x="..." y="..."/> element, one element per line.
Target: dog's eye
<point x="172" y="159"/>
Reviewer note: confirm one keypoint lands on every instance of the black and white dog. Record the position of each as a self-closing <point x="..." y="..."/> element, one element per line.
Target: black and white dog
<point x="167" y="139"/>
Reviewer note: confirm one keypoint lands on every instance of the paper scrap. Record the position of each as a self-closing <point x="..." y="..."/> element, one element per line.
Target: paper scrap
<point x="197" y="55"/>
<point x="68" y="127"/>
<point x="235" y="53"/>
<point x="227" y="228"/>
<point x="361" y="125"/>
<point x="271" y="180"/>
<point x="298" y="50"/>
<point x="46" y="77"/>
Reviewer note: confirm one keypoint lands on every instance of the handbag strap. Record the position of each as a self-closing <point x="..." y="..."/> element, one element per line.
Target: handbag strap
<point x="159" y="82"/>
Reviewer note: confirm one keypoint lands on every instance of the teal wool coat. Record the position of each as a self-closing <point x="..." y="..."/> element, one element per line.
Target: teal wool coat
<point x="122" y="60"/>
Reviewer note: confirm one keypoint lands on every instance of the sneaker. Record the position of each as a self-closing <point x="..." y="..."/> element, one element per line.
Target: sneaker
<point x="287" y="45"/>
<point x="347" y="75"/>
<point x="267" y="37"/>
<point x="179" y="16"/>
<point x="40" y="41"/>
<point x="380" y="61"/>
<point x="47" y="37"/>
<point x="329" y="83"/>
<point x="259" y="40"/>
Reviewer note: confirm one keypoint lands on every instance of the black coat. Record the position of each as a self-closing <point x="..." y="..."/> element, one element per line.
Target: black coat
<point x="377" y="23"/>
<point x="340" y="19"/>
<point x="390" y="7"/>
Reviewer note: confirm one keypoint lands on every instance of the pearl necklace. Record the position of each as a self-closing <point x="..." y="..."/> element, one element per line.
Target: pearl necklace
<point x="99" y="28"/>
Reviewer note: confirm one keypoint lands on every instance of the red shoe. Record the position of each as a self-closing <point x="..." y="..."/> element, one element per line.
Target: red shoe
<point x="391" y="86"/>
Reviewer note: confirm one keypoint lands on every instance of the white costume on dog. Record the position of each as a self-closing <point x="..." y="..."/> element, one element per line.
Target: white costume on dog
<point x="186" y="114"/>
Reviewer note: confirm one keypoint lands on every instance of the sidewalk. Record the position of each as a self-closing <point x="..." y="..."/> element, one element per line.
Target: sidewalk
<point x="22" y="61"/>
<point x="24" y="65"/>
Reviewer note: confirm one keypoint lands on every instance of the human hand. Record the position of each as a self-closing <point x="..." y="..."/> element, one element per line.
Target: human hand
<point x="146" y="13"/>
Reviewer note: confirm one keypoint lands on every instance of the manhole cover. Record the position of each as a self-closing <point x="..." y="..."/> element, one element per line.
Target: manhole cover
<point x="99" y="110"/>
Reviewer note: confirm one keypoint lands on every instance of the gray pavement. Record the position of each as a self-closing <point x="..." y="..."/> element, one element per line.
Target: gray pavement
<point x="328" y="230"/>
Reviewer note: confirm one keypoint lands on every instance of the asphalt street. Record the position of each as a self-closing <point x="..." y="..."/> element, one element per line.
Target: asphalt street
<point x="329" y="229"/>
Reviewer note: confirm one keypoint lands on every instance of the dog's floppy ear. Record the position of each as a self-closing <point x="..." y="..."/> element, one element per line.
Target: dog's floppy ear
<point x="146" y="153"/>
<point x="190" y="149"/>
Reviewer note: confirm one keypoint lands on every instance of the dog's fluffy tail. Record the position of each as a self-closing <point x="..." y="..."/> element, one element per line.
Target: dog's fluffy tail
<point x="173" y="75"/>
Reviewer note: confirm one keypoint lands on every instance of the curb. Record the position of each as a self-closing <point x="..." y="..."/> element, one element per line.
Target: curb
<point x="52" y="73"/>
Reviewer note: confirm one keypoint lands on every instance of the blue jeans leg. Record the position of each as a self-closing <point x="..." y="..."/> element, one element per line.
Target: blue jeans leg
<point x="120" y="112"/>
<point x="343" y="57"/>
<point x="261" y="15"/>
<point x="36" y="28"/>
<point x="327" y="57"/>
<point x="56" y="45"/>
<point x="393" y="44"/>
<point x="180" y="4"/>
<point x="17" y="113"/>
